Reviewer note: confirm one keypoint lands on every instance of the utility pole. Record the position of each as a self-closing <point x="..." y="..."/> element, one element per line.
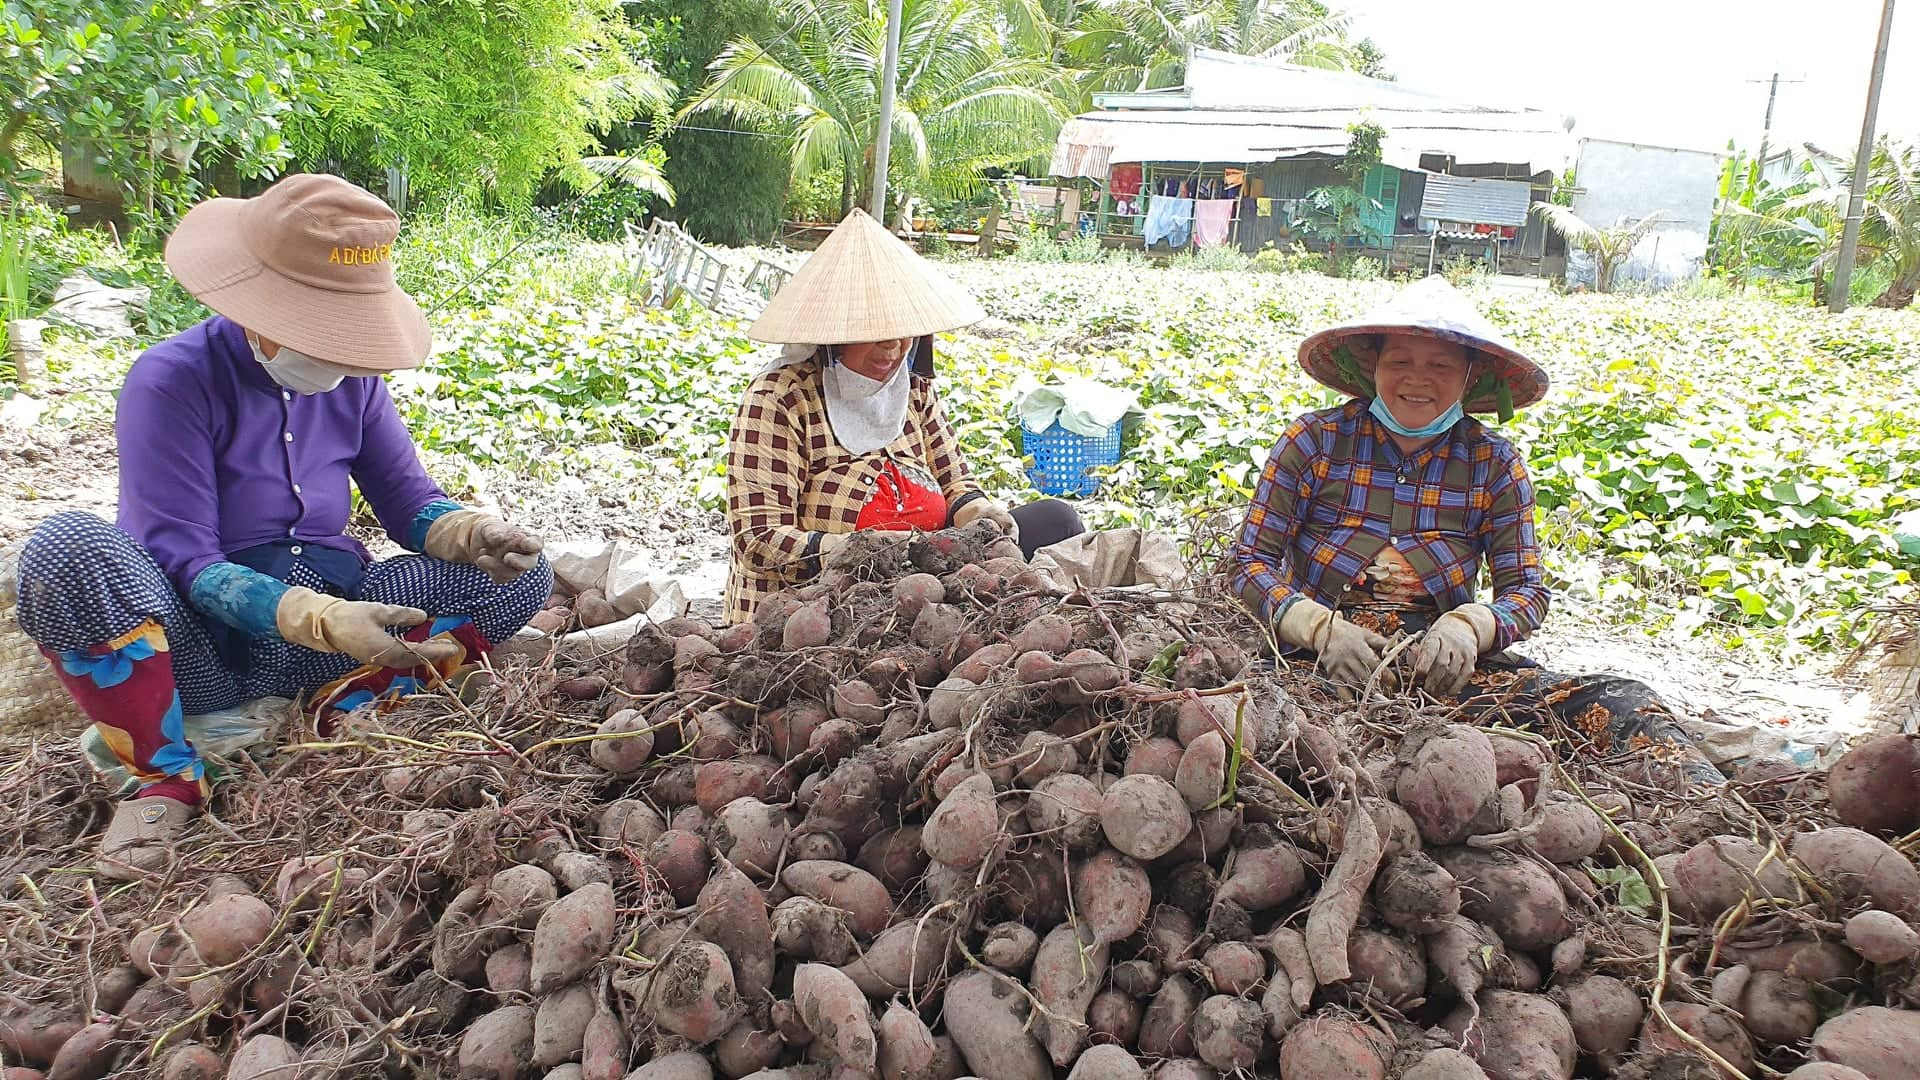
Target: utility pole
<point x="883" y="139"/>
<point x="1857" y="200"/>
<point x="1766" y="128"/>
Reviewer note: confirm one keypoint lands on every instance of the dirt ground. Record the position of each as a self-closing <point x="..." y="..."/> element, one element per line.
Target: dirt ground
<point x="1742" y="708"/>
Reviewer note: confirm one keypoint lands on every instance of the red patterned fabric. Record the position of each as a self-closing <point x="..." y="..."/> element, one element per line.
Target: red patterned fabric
<point x="900" y="502"/>
<point x="1124" y="181"/>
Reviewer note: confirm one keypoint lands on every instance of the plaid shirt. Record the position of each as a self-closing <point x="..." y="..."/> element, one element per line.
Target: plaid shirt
<point x="1337" y="491"/>
<point x="789" y="480"/>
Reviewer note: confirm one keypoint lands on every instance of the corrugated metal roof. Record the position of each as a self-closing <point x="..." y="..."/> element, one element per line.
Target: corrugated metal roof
<point x="1243" y="109"/>
<point x="1477" y="200"/>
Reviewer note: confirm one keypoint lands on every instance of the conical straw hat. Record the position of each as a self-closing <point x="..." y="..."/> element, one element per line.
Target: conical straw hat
<point x="864" y="284"/>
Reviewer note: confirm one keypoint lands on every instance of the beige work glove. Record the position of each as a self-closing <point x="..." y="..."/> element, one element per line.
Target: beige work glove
<point x="359" y="629"/>
<point x="1451" y="648"/>
<point x="475" y="538"/>
<point x="991" y="511"/>
<point x="831" y="542"/>
<point x="1348" y="654"/>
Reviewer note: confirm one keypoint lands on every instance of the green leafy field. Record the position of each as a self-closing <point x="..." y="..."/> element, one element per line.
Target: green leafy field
<point x="1719" y="465"/>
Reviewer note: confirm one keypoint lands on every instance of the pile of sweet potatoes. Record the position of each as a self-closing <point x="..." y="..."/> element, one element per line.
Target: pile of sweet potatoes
<point x="930" y="817"/>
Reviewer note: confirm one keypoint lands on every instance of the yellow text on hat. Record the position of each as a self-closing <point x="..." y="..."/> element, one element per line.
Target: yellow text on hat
<point x="360" y="256"/>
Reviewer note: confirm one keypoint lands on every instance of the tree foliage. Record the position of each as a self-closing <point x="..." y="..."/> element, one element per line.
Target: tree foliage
<point x="966" y="101"/>
<point x="731" y="184"/>
<point x="485" y="99"/>
<point x="1123" y="45"/>
<point x="150" y="91"/>
<point x="1610" y="247"/>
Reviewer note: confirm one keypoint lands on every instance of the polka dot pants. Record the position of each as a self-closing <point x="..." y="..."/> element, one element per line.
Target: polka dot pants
<point x="83" y="582"/>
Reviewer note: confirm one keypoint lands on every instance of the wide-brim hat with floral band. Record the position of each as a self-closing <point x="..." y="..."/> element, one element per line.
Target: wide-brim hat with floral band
<point x="1342" y="357"/>
<point x="864" y="284"/>
<point x="308" y="264"/>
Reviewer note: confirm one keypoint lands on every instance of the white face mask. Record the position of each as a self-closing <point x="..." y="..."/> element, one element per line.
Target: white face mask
<point x="297" y="371"/>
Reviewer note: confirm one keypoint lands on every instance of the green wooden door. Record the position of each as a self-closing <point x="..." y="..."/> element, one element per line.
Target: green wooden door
<point x="1382" y="185"/>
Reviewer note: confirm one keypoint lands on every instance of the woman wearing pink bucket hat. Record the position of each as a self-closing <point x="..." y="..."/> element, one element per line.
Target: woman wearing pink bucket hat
<point x="1374" y="518"/>
<point x="229" y="575"/>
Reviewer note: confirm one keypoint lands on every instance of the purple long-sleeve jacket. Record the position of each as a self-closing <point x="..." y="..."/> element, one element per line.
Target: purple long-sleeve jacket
<point x="216" y="458"/>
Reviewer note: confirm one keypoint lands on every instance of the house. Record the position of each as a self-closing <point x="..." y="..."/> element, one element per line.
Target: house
<point x="1264" y="135"/>
<point x="1623" y="182"/>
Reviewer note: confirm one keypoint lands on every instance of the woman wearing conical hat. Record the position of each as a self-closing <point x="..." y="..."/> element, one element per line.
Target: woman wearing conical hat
<point x="1375" y="517"/>
<point x="846" y="432"/>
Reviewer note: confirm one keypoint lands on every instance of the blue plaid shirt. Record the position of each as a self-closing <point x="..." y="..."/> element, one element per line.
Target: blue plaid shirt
<point x="1337" y="491"/>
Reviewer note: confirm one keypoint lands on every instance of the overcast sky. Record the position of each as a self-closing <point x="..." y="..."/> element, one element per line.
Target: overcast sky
<point x="1666" y="72"/>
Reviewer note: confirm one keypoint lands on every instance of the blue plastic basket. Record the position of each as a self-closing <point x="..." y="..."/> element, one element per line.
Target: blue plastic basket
<point x="1064" y="462"/>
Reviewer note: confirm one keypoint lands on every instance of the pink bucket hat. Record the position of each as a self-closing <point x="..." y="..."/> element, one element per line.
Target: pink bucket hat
<point x="308" y="263"/>
<point x="1342" y="357"/>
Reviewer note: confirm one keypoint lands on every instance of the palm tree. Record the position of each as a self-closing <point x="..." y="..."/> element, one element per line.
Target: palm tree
<point x="1609" y="247"/>
<point x="1890" y="231"/>
<point x="1126" y="45"/>
<point x="968" y="99"/>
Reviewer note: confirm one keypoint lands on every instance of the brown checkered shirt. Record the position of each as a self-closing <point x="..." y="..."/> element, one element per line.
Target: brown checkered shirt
<point x="789" y="480"/>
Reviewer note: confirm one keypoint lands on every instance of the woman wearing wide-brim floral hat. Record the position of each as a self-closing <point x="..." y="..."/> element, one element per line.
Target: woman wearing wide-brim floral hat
<point x="845" y="432"/>
<point x="229" y="575"/>
<point x="1377" y="516"/>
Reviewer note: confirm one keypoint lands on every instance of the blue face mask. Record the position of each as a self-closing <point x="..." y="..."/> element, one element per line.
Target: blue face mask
<point x="1440" y="426"/>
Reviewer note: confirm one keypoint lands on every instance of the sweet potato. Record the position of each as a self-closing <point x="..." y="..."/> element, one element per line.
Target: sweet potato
<point x="692" y="994"/>
<point x="750" y="834"/>
<point x="717" y="783"/>
<point x="1049" y="634"/>
<point x="680" y="859"/>
<point x="1562" y="830"/>
<point x="1144" y="816"/>
<point x="1820" y="1070"/>
<point x="965" y="825"/>
<point x="154" y="950"/>
<point x="498" y="1046"/>
<point x="1228" y="1032"/>
<point x="1114" y="1018"/>
<point x="1876" y="785"/>
<point x="189" y="1061"/>
<point x="733" y="915"/>
<point x="224" y="930"/>
<point x="1391" y="968"/>
<point x="560" y="1026"/>
<point x="747" y="1048"/>
<point x="809" y="626"/>
<point x="1516" y="897"/>
<point x="630" y="823"/>
<point x="1233" y="968"/>
<point x="1713" y="1027"/>
<point x="1461" y="955"/>
<point x="510" y="971"/>
<point x="623" y="743"/>
<point x="1444" y="1064"/>
<point x="1861" y="868"/>
<point x="1067" y="973"/>
<point x="1720" y="871"/>
<point x="987" y="1019"/>
<point x="1266" y="871"/>
<point x="913" y="593"/>
<point x="1516" y="1036"/>
<point x="837" y="1014"/>
<point x="1824" y="963"/>
<point x="806" y="929"/>
<point x="1882" y="937"/>
<point x="1777" y="1008"/>
<point x="1337" y="907"/>
<point x="1138" y="977"/>
<point x="605" y="1046"/>
<point x="907" y="1047"/>
<point x="1112" y="895"/>
<point x="1065" y="808"/>
<point x="1106" y="1063"/>
<point x="1605" y="1014"/>
<point x="1167" y="1028"/>
<point x="1413" y="893"/>
<point x="1043" y="754"/>
<point x="1882" y="1043"/>
<point x="1185" y="1069"/>
<point x="679" y="1065"/>
<point x="1158" y="756"/>
<point x="907" y="957"/>
<point x="1450" y="774"/>
<point x="1202" y="775"/>
<point x="88" y="1055"/>
<point x="1330" y="1048"/>
<point x="461" y="943"/>
<point x="937" y="626"/>
<point x="1010" y="947"/>
<point x="852" y="890"/>
<point x="572" y="936"/>
<point x="895" y="857"/>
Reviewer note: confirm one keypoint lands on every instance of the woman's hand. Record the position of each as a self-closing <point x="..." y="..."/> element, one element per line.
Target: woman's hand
<point x="1348" y="654"/>
<point x="357" y="628"/>
<point x="478" y="539"/>
<point x="1444" y="660"/>
<point x="989" y="510"/>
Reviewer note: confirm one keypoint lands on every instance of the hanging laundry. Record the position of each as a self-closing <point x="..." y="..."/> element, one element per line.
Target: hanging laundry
<point x="1124" y="181"/>
<point x="1170" y="220"/>
<point x="1236" y="178"/>
<point x="1212" y="221"/>
<point x="1265" y="207"/>
<point x="1256" y="188"/>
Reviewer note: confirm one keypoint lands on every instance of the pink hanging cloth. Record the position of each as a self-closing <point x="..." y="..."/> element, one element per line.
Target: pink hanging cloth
<point x="1212" y="221"/>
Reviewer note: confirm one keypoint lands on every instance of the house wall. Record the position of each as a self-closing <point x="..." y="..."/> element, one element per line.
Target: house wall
<point x="1626" y="180"/>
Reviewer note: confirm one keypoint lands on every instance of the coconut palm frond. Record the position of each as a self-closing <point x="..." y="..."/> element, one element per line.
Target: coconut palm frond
<point x="1563" y="220"/>
<point x="636" y="172"/>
